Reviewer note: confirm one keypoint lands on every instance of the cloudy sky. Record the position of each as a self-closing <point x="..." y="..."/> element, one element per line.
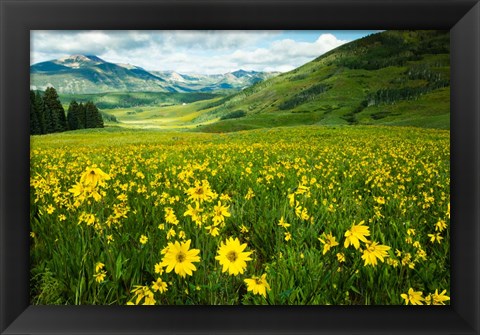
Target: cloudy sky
<point x="196" y="51"/>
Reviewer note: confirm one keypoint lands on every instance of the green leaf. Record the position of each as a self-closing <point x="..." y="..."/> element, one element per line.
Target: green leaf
<point x="118" y="267"/>
<point x="354" y="289"/>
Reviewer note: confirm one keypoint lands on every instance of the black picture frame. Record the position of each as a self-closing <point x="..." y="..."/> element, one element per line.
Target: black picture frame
<point x="461" y="17"/>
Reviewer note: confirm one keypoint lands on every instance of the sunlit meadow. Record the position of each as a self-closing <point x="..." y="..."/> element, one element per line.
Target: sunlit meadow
<point x="294" y="215"/>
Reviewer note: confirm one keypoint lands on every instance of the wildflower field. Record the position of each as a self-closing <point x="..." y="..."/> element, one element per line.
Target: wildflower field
<point x="296" y="215"/>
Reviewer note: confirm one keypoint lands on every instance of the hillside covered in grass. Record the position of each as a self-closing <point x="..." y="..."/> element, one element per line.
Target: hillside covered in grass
<point x="135" y="99"/>
<point x="388" y="78"/>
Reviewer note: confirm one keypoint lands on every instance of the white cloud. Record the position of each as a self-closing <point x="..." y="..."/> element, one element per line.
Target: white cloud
<point x="279" y="68"/>
<point x="286" y="54"/>
<point x="185" y="51"/>
<point x="212" y="39"/>
<point x="291" y="48"/>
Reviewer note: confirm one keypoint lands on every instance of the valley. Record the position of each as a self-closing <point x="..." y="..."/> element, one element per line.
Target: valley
<point x="148" y="110"/>
<point x="346" y="86"/>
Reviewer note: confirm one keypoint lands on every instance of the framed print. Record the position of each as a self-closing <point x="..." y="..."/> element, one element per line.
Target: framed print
<point x="247" y="167"/>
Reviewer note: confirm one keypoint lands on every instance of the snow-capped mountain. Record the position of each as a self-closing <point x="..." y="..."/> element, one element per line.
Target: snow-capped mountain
<point x="91" y="74"/>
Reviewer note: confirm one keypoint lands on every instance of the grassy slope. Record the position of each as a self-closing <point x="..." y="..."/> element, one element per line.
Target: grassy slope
<point x="163" y="117"/>
<point x="148" y="109"/>
<point x="350" y="84"/>
<point x="136" y="99"/>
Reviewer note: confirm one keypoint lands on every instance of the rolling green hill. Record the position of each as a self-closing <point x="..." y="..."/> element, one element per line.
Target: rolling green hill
<point x="399" y="78"/>
<point x="389" y="78"/>
<point x="142" y="110"/>
<point x="114" y="100"/>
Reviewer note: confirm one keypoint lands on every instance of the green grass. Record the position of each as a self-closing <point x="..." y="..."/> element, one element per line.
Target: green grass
<point x="431" y="111"/>
<point x="392" y="178"/>
<point x="136" y="99"/>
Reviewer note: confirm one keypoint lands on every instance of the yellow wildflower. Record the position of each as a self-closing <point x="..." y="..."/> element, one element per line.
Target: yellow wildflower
<point x="413" y="297"/>
<point x="232" y="256"/>
<point x="258" y="285"/>
<point x="328" y="242"/>
<point x="180" y="258"/>
<point x="374" y="251"/>
<point x="356" y="234"/>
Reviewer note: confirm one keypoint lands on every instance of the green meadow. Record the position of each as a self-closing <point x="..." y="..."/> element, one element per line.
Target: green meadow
<point x="325" y="185"/>
<point x="296" y="198"/>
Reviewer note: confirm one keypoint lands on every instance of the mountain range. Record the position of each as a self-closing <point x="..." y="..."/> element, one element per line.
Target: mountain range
<point x="231" y="81"/>
<point x="86" y="74"/>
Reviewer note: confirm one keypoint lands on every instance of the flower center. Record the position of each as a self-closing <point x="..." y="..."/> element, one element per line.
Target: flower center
<point x="199" y="191"/>
<point x="181" y="257"/>
<point x="258" y="281"/>
<point x="232" y="256"/>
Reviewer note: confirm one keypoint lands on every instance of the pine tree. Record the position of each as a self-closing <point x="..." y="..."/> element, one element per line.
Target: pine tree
<point x="53" y="104"/>
<point x="63" y="126"/>
<point x="50" y="121"/>
<point x="40" y="109"/>
<point x="89" y="115"/>
<point x="34" y="117"/>
<point x="73" y="116"/>
<point x="81" y="116"/>
<point x="93" y="117"/>
<point x="99" y="119"/>
<point x="100" y="123"/>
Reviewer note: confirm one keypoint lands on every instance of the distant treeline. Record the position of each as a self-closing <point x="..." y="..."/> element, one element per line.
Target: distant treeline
<point x="48" y="116"/>
<point x="80" y="116"/>
<point x="234" y="115"/>
<point x="391" y="95"/>
<point x="113" y="100"/>
<point x="392" y="49"/>
<point x="308" y="94"/>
